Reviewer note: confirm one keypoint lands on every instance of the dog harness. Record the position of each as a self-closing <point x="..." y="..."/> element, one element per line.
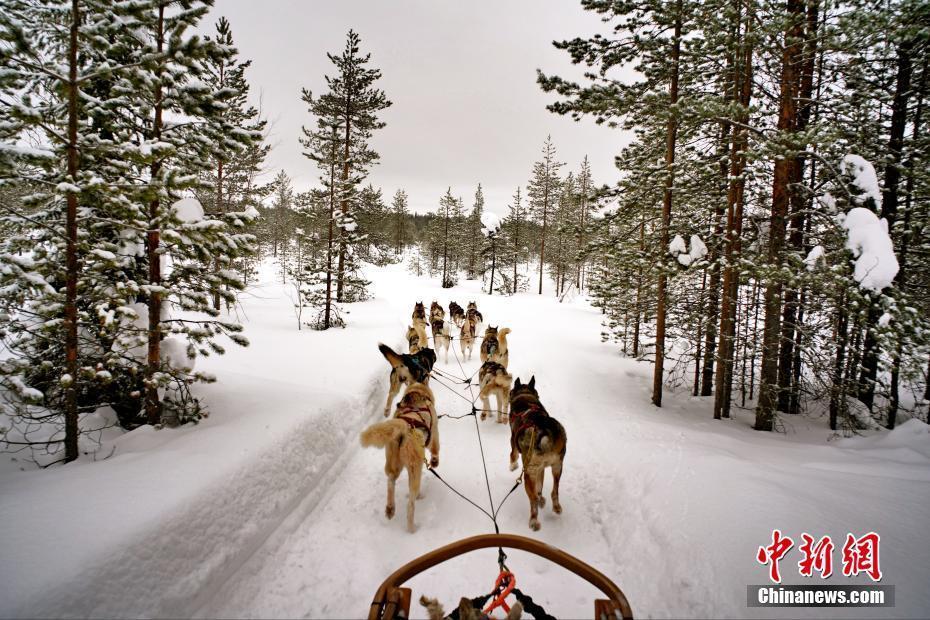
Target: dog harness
<point x="418" y="421"/>
<point x="521" y="418"/>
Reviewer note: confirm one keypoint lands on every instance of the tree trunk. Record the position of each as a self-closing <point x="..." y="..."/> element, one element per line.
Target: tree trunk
<point x="901" y="278"/>
<point x="72" y="266"/>
<point x="902" y="93"/>
<point x="671" y="137"/>
<point x="734" y="227"/>
<point x="785" y="173"/>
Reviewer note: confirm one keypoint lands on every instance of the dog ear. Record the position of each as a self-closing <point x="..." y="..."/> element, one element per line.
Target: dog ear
<point x="532" y="382"/>
<point x="517" y="383"/>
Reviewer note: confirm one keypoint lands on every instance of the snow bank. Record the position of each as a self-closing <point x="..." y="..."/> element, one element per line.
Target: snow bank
<point x="154" y="529"/>
<point x="867" y="238"/>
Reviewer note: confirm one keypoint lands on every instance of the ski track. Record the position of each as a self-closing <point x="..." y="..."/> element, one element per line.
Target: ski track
<point x="276" y="511"/>
<point x="646" y="494"/>
<point x="342" y="543"/>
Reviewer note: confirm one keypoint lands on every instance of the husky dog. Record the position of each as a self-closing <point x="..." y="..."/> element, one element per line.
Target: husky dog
<point x="493" y="379"/>
<point x="457" y="314"/>
<point x="467" y="611"/>
<point x="442" y="337"/>
<point x="489" y="344"/>
<point x="405" y="438"/>
<point x="416" y="337"/>
<point x="472" y="313"/>
<point x="436" y="312"/>
<point x="540" y="440"/>
<point x="419" y="312"/>
<point x="406" y="369"/>
<point x="467" y="337"/>
<point x="503" y="353"/>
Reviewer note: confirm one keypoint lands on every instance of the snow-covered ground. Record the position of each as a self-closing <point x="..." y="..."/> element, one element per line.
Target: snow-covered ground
<point x="270" y="508"/>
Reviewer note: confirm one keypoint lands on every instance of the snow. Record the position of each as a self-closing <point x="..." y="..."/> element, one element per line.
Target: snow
<point x="490" y="221"/>
<point x="813" y="257"/>
<point x="867" y="238"/>
<point x="677" y="246"/>
<point x="270" y="508"/>
<point x="864" y="177"/>
<point x="188" y="210"/>
<point x="884" y="319"/>
<point x="687" y="257"/>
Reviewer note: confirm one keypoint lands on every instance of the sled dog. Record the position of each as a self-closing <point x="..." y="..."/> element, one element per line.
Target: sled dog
<point x="493" y="379"/>
<point x="540" y="440"/>
<point x="419" y="312"/>
<point x="473" y="314"/>
<point x="467" y="338"/>
<point x="416" y="337"/>
<point x="442" y="337"/>
<point x="406" y="369"/>
<point x="436" y="312"/>
<point x="489" y="344"/>
<point x="457" y="314"/>
<point x="503" y="352"/>
<point x="405" y="437"/>
<point x="466" y="609"/>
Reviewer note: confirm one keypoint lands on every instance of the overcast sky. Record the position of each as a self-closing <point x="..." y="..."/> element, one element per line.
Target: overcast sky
<point x="461" y="76"/>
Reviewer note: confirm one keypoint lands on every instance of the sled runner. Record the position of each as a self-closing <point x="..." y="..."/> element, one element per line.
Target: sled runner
<point x="393" y="601"/>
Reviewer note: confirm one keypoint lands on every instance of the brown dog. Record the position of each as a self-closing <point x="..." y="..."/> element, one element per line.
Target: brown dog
<point x="416" y="337"/>
<point x="467" y="337"/>
<point x="406" y="369"/>
<point x="405" y="438"/>
<point x="456" y="313"/>
<point x="540" y="440"/>
<point x="493" y="379"/>
<point x="419" y="312"/>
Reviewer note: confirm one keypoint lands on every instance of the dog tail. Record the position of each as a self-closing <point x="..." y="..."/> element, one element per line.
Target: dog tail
<point x="383" y="433"/>
<point x="502" y="334"/>
<point x="393" y="358"/>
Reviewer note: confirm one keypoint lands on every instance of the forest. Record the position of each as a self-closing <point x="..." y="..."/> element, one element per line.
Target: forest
<point x="763" y="244"/>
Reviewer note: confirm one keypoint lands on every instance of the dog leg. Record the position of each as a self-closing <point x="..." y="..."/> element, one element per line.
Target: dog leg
<point x="556" y="476"/>
<point x="539" y="486"/>
<point x="513" y="452"/>
<point x="389" y="506"/>
<point x="413" y="475"/>
<point x="434" y="446"/>
<point x="529" y="483"/>
<point x="392" y="392"/>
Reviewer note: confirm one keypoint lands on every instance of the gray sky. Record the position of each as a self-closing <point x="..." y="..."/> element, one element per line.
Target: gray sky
<point x="461" y="76"/>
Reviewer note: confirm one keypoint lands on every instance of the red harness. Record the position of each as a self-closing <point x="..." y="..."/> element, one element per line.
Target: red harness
<point x="521" y="418"/>
<point x="419" y="421"/>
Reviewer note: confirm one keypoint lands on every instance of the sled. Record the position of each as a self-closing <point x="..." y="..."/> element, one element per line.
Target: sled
<point x="392" y="601"/>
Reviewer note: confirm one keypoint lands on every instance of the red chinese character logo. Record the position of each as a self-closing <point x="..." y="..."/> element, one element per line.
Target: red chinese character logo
<point x="861" y="556"/>
<point x="773" y="553"/>
<point x="817" y="557"/>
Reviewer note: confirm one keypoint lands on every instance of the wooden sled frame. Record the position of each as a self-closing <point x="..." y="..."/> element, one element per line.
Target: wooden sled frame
<point x="391" y="600"/>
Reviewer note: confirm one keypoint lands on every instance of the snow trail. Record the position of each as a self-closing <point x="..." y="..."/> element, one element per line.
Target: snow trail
<point x="271" y="508"/>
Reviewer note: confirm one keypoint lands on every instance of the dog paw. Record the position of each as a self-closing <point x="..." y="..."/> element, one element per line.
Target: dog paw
<point x="541" y="500"/>
<point x="513" y="466"/>
<point x="389" y="512"/>
<point x="434" y="461"/>
<point x="534" y="525"/>
<point x="556" y="507"/>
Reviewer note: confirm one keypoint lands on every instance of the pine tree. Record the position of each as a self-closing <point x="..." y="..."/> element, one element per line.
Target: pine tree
<point x="473" y="240"/>
<point x="400" y="214"/>
<point x="543" y="192"/>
